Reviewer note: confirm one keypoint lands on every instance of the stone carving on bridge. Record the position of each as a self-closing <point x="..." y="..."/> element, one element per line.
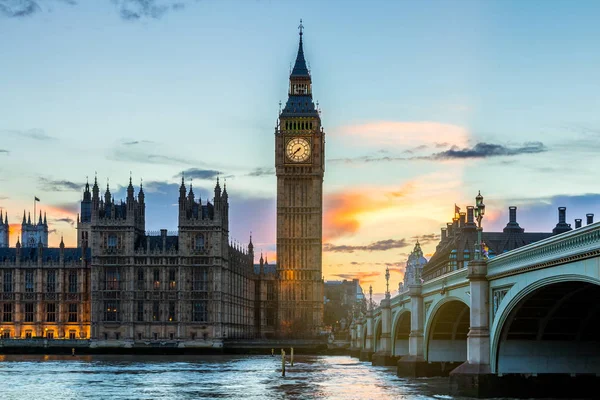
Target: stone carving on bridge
<point x="427" y="307"/>
<point x="497" y="296"/>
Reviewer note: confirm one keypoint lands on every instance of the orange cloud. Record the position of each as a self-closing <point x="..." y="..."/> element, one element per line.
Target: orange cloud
<point x="343" y="210"/>
<point x="406" y="133"/>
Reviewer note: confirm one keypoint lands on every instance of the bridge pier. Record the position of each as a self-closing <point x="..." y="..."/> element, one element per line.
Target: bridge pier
<point x="367" y="352"/>
<point x="384" y="356"/>
<point x="474" y="377"/>
<point x="414" y="364"/>
<point x="354" y="340"/>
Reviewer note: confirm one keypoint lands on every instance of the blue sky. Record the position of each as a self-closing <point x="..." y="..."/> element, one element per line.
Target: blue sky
<point x="158" y="87"/>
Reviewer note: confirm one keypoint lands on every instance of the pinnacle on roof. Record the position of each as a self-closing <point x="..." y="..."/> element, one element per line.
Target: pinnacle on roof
<point x="300" y="68"/>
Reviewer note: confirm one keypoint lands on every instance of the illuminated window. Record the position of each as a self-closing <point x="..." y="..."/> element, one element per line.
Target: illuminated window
<point x="72" y="335"/>
<point x="171" y="316"/>
<point x="112" y="279"/>
<point x="172" y="281"/>
<point x="50" y="335"/>
<point x="111" y="311"/>
<point x="28" y="335"/>
<point x="155" y="311"/>
<point x="156" y="277"/>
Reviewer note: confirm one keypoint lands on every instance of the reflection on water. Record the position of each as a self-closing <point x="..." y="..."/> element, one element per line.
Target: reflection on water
<point x="209" y="377"/>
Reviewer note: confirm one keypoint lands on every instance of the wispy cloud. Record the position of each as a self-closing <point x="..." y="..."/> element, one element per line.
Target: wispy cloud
<point x="380" y="245"/>
<point x="142" y="9"/>
<point x="18" y="8"/>
<point x="134" y="142"/>
<point x="480" y="150"/>
<point x="129" y="10"/>
<point x="261" y="172"/>
<point x="363" y="277"/>
<point x="486" y="150"/>
<point x="35" y="133"/>
<point x="67" y="220"/>
<point x="59" y="185"/>
<point x="203" y="174"/>
<point x="2" y="151"/>
<point x="425" y="239"/>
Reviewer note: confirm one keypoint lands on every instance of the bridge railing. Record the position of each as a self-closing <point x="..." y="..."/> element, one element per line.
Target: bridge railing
<point x="553" y="249"/>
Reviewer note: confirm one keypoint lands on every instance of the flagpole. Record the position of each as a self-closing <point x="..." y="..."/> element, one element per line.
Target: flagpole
<point x="34" y="208"/>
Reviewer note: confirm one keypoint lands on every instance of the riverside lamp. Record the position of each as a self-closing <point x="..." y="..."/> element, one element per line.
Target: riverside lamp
<point x="479" y="213"/>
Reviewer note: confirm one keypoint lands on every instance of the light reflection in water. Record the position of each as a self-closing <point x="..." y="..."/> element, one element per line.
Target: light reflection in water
<point x="208" y="377"/>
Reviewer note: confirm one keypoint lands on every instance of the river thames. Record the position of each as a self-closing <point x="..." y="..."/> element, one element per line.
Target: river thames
<point x="208" y="377"/>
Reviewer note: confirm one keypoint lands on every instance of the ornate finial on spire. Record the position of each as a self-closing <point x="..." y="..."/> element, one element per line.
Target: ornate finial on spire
<point x="279" y="106"/>
<point x="141" y="183"/>
<point x="300" y="27"/>
<point x="371" y="297"/>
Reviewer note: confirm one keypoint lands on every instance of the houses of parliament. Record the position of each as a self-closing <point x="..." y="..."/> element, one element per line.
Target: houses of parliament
<point x="123" y="285"/>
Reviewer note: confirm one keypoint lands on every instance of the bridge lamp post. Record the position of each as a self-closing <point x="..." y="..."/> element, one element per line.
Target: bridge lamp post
<point x="387" y="282"/>
<point x="479" y="213"/>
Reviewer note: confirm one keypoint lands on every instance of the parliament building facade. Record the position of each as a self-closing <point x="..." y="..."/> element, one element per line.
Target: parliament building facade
<point x="123" y="286"/>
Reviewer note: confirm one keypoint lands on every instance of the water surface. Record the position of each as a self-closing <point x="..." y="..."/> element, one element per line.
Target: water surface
<point x="206" y="377"/>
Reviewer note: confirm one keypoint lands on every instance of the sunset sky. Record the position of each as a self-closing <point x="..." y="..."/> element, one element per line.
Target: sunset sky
<point x="423" y="103"/>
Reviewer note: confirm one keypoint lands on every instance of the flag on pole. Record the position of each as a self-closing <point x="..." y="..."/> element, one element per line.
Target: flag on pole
<point x="36" y="199"/>
<point x="456" y="210"/>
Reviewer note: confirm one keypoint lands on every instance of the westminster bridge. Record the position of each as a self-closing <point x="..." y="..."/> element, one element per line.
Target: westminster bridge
<point x="519" y="324"/>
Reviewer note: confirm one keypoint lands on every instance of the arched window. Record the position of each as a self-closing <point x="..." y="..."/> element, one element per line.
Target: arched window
<point x="112" y="241"/>
<point x="200" y="242"/>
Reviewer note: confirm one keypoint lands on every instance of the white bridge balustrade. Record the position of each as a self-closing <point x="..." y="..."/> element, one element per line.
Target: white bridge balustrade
<point x="520" y="324"/>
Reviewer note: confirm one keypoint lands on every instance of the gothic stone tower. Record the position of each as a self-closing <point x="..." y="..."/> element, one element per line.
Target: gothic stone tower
<point x="299" y="162"/>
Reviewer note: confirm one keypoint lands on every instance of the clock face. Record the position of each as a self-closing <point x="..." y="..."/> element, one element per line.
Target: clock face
<point x="298" y="150"/>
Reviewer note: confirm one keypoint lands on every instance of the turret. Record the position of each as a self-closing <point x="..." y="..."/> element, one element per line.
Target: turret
<point x="141" y="196"/>
<point x="130" y="198"/>
<point x="95" y="195"/>
<point x="107" y="196"/>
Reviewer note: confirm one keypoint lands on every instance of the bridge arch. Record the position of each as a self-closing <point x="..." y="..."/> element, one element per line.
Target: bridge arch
<point x="446" y="331"/>
<point x="377" y="334"/>
<point x="548" y="327"/>
<point x="401" y="327"/>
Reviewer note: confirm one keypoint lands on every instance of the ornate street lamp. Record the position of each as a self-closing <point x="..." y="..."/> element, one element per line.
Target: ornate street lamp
<point x="479" y="213"/>
<point x="370" y="297"/>
<point x="387" y="282"/>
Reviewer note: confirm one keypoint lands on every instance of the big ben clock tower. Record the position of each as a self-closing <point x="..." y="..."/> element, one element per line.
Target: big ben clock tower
<point x="300" y="166"/>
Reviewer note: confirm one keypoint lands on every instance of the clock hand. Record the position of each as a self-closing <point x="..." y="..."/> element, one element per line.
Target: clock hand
<point x="298" y="149"/>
